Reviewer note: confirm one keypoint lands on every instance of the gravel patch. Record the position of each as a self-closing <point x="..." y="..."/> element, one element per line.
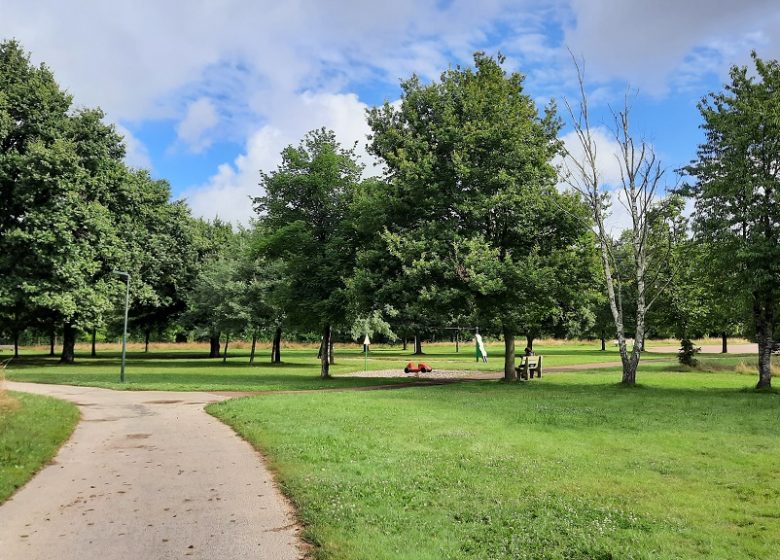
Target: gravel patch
<point x="435" y="374"/>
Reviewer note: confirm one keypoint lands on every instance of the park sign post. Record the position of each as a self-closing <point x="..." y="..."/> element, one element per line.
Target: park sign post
<point x="366" y="344"/>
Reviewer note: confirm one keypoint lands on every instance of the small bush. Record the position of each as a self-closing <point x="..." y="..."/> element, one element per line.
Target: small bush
<point x="687" y="354"/>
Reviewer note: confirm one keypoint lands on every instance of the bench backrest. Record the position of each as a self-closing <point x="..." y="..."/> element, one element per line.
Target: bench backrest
<point x="532" y="361"/>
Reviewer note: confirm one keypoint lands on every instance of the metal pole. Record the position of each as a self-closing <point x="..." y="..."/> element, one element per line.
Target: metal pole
<point x="126" y="276"/>
<point x="124" y="336"/>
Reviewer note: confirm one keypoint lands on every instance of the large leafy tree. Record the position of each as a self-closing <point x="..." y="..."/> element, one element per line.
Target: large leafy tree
<point x="60" y="172"/>
<point x="33" y="113"/>
<point x="379" y="286"/>
<point x="71" y="212"/>
<point x="305" y="209"/>
<point x="160" y="240"/>
<point x="737" y="194"/>
<point x="213" y="242"/>
<point x="478" y="223"/>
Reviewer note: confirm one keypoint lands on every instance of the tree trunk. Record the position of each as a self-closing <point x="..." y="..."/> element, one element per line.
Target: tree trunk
<point x="94" y="337"/>
<point x="764" y="318"/>
<point x="68" y="344"/>
<point x="725" y="341"/>
<point x="254" y="345"/>
<point x="331" y="357"/>
<point x="224" y="353"/>
<point x="418" y="346"/>
<point x="16" y="344"/>
<point x="764" y="365"/>
<point x="603" y="341"/>
<point x="214" y="342"/>
<point x="52" y="342"/>
<point x="509" y="355"/>
<point x="404" y="344"/>
<point x="324" y="358"/>
<point x="276" y="347"/>
<point x="457" y="341"/>
<point x="146" y="340"/>
<point x="629" y="373"/>
<point x="529" y="341"/>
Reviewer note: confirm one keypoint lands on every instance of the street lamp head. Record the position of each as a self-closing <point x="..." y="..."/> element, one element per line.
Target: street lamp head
<point x="120" y="273"/>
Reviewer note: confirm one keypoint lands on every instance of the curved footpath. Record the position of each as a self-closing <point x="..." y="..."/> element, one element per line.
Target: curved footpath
<point x="148" y="475"/>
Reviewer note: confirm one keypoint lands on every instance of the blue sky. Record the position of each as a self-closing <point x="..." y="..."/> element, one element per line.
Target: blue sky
<point x="208" y="96"/>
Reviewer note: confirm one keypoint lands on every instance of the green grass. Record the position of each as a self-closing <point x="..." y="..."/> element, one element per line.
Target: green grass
<point x="571" y="467"/>
<point x="192" y="370"/>
<point x="32" y="429"/>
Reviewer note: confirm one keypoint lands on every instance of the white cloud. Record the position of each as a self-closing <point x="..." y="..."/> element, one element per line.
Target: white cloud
<point x="200" y="119"/>
<point x="151" y="59"/>
<point x="135" y="59"/>
<point x="136" y="153"/>
<point x="607" y="150"/>
<point x="227" y="193"/>
<point x="645" y="43"/>
<point x="608" y="165"/>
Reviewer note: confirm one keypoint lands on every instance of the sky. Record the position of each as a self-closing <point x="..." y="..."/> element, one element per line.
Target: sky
<point x="208" y="93"/>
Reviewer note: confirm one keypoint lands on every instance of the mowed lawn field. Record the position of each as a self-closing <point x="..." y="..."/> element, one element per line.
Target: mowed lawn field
<point x="188" y="368"/>
<point x="32" y="428"/>
<point x="571" y="466"/>
<point x="568" y="467"/>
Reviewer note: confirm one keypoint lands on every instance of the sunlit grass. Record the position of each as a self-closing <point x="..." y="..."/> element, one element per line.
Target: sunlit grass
<point x="188" y="368"/>
<point x="571" y="467"/>
<point x="32" y="428"/>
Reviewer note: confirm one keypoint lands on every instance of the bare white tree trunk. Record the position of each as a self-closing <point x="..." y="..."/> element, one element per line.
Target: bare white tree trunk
<point x="641" y="175"/>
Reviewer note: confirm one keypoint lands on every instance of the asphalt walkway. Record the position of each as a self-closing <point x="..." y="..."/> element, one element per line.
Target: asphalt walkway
<point x="148" y="475"/>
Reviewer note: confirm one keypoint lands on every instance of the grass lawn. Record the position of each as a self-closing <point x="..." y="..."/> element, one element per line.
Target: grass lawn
<point x="190" y="369"/>
<point x="32" y="429"/>
<point x="570" y="467"/>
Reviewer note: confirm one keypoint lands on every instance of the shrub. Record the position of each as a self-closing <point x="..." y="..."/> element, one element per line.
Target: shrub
<point x="687" y="354"/>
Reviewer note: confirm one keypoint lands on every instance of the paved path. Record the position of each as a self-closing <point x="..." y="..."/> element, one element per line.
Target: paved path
<point x="147" y="475"/>
<point x="710" y="348"/>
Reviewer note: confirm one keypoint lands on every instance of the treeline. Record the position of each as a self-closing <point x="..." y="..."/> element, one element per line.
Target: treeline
<point x="468" y="227"/>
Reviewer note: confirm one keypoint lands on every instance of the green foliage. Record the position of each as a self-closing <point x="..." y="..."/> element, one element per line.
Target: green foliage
<point x="737" y="195"/>
<point x="475" y="222"/>
<point x="687" y="354"/>
<point x="71" y="212"/>
<point x="305" y="214"/>
<point x="374" y="324"/>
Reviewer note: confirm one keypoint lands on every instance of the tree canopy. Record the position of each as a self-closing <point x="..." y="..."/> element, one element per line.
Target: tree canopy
<point x="737" y="195"/>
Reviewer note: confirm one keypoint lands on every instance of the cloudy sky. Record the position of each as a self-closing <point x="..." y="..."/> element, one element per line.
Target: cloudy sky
<point x="207" y="93"/>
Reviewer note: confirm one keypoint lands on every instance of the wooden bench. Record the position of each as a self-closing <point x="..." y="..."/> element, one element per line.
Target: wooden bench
<point x="529" y="366"/>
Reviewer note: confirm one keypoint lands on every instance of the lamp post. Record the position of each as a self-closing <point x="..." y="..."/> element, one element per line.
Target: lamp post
<point x="124" y="335"/>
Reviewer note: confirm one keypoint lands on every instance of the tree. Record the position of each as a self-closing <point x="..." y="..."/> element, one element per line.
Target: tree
<point x="305" y="210"/>
<point x="217" y="300"/>
<point x="62" y="185"/>
<point x="160" y="239"/>
<point x="477" y="224"/>
<point x="641" y="188"/>
<point x="737" y="195"/>
<point x="212" y="241"/>
<point x="263" y="280"/>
